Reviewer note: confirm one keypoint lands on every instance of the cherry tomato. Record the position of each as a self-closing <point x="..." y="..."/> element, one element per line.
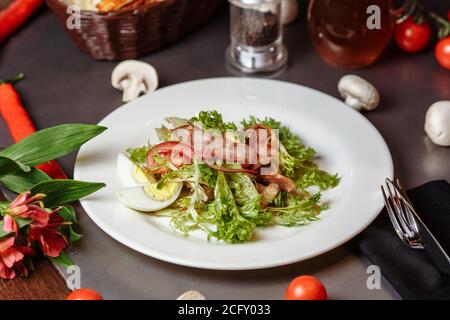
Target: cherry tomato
<point x="306" y="288"/>
<point x="84" y="294"/>
<point x="442" y="52"/>
<point x="413" y="37"/>
<point x="448" y="15"/>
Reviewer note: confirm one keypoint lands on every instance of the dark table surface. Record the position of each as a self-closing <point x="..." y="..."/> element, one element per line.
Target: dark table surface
<point x="63" y="85"/>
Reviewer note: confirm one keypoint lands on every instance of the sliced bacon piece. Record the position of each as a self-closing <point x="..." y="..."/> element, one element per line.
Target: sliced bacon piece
<point x="284" y="182"/>
<point x="184" y="133"/>
<point x="231" y="170"/>
<point x="269" y="193"/>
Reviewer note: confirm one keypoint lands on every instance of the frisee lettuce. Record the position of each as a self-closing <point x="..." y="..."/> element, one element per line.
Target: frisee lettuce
<point x="235" y="209"/>
<point x="213" y="120"/>
<point x="296" y="160"/>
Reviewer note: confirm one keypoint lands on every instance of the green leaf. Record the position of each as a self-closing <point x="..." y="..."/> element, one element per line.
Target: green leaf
<point x="74" y="236"/>
<point x="163" y="133"/>
<point x="20" y="223"/>
<point x="61" y="192"/>
<point x="138" y="155"/>
<point x="19" y="181"/>
<point x="213" y="120"/>
<point x="177" y="122"/>
<point x="68" y="214"/>
<point x="51" y="143"/>
<point x="8" y="165"/>
<point x="63" y="260"/>
<point x="231" y="226"/>
<point x="3" y="205"/>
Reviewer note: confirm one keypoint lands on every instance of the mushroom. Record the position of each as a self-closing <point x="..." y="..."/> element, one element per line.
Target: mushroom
<point x="191" y="295"/>
<point x="358" y="93"/>
<point x="133" y="78"/>
<point x="289" y="11"/>
<point x="437" y="123"/>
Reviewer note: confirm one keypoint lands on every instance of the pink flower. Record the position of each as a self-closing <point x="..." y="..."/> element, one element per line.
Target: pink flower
<point x="49" y="238"/>
<point x="25" y="207"/>
<point x="11" y="257"/>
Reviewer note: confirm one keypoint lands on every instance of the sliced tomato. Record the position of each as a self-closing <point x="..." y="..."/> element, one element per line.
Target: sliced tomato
<point x="173" y="151"/>
<point x="181" y="154"/>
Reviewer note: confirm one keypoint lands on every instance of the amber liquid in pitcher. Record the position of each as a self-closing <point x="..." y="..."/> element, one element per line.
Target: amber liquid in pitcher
<point x="340" y="34"/>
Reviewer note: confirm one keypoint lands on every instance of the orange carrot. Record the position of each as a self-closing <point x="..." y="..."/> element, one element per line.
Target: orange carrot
<point x="20" y="124"/>
<point x="13" y="16"/>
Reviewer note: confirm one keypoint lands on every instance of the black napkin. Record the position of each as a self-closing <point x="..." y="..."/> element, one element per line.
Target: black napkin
<point x="410" y="271"/>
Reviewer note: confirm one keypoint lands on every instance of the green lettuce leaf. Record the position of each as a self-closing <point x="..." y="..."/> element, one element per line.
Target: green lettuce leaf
<point x="138" y="155"/>
<point x="231" y="226"/>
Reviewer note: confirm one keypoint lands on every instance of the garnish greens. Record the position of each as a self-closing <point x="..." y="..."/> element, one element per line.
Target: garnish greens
<point x="228" y="206"/>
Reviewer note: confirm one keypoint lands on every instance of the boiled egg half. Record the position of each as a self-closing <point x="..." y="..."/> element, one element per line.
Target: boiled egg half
<point x="140" y="190"/>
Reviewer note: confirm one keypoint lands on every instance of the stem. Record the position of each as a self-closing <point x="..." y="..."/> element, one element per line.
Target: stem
<point x="418" y="15"/>
<point x="14" y="80"/>
<point x="444" y="25"/>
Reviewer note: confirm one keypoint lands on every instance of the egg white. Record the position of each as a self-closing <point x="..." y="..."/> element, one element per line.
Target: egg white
<point x="133" y="195"/>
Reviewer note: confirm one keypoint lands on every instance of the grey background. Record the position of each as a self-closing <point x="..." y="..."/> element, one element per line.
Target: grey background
<point x="63" y="85"/>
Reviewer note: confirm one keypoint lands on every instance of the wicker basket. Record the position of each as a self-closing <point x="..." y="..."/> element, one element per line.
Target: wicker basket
<point x="128" y="34"/>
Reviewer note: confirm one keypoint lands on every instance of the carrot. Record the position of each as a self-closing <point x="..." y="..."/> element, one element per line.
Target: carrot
<point x="13" y="16"/>
<point x="20" y="124"/>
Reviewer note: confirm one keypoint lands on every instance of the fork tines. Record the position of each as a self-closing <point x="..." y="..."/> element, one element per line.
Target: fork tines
<point x="401" y="214"/>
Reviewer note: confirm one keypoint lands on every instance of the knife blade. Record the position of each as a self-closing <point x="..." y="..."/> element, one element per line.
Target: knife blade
<point x="431" y="245"/>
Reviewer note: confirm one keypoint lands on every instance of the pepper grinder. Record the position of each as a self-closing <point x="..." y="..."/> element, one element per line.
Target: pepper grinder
<point x="256" y="36"/>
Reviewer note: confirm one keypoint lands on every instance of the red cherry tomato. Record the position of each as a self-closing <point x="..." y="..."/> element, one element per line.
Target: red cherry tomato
<point x="306" y="288"/>
<point x="448" y="15"/>
<point x="442" y="52"/>
<point x="413" y="37"/>
<point x="84" y="294"/>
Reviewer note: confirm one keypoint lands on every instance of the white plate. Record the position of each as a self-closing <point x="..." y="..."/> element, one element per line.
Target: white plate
<point x="346" y="142"/>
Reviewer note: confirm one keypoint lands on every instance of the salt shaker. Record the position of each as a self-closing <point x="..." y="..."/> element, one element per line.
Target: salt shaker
<point x="256" y="36"/>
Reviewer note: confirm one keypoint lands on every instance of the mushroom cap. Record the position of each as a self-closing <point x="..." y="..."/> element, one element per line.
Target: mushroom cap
<point x="358" y="92"/>
<point x="289" y="11"/>
<point x="132" y="70"/>
<point x="437" y="123"/>
<point x="191" y="295"/>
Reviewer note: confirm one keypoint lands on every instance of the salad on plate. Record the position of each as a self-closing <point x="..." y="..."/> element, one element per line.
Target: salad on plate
<point x="223" y="178"/>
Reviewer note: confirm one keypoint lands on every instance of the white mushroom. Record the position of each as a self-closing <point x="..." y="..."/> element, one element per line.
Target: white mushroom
<point x="133" y="78"/>
<point x="358" y="93"/>
<point x="191" y="295"/>
<point x="437" y="123"/>
<point x="289" y="11"/>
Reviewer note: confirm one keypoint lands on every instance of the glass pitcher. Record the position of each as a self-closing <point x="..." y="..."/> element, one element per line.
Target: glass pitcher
<point x="354" y="33"/>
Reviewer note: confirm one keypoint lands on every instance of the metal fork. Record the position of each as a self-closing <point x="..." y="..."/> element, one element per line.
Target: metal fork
<point x="410" y="228"/>
<point x="401" y="214"/>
